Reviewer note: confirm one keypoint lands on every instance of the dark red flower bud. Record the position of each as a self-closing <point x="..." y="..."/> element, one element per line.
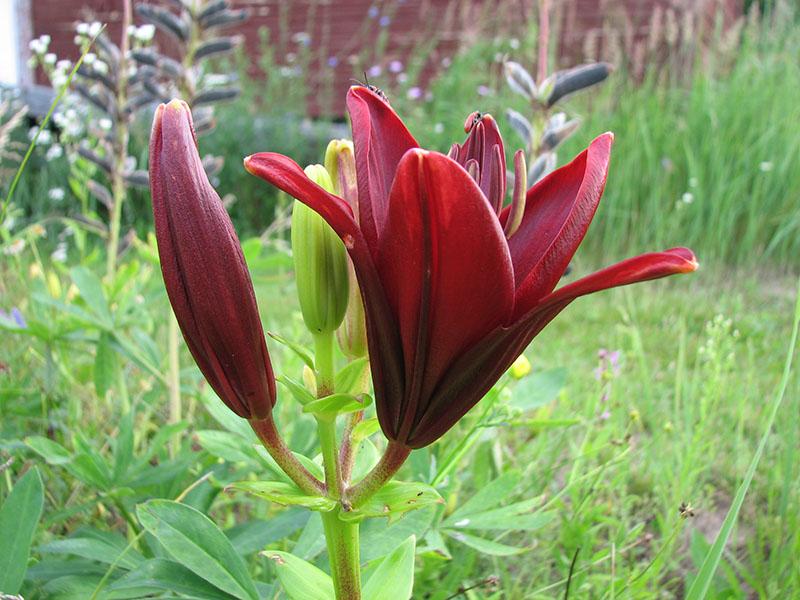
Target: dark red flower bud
<point x="204" y="270"/>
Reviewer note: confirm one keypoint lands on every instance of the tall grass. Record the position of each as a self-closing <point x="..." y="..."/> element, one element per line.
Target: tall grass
<point x="714" y="165"/>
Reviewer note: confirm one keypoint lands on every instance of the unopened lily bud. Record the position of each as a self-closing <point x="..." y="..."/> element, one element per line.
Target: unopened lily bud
<point x="205" y="274"/>
<point x="320" y="263"/>
<point x="340" y="162"/>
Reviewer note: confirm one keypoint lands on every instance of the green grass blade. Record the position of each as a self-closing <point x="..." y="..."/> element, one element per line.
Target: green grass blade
<point x="702" y="582"/>
<point x="43" y="125"/>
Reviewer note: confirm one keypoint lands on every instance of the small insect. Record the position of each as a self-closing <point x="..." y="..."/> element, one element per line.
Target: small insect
<point x="472" y="120"/>
<point x="372" y="88"/>
<point x="686" y="510"/>
<point x="419" y="494"/>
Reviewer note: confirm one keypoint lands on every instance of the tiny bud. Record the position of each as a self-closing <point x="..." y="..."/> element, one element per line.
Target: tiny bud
<point x="320" y="261"/>
<point x="520" y="367"/>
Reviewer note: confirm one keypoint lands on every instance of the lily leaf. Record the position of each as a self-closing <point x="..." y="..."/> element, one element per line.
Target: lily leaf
<point x="393" y="578"/>
<point x="301" y="579"/>
<point x="284" y="493"/>
<point x="300" y="350"/>
<point x="337" y="404"/>
<point x="393" y="500"/>
<point x="298" y="390"/>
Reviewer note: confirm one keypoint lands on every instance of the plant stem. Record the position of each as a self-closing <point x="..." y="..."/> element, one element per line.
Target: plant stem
<point x="341" y="537"/>
<point x="280" y="452"/>
<point x="120" y="146"/>
<point x="391" y="461"/>
<point x="174" y="379"/>
<point x="343" y="552"/>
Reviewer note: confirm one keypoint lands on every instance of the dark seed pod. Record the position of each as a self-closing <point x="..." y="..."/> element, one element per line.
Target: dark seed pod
<point x="145" y="57"/>
<point x="540" y="167"/>
<point x="99" y="191"/>
<point x="143" y="73"/>
<point x="109" y="50"/>
<point x="214" y="95"/>
<point x="552" y="138"/>
<point x="88" y="223"/>
<point x="140" y="178"/>
<point x="94" y="99"/>
<point x="573" y="80"/>
<point x="204" y="125"/>
<point x="225" y="18"/>
<point x="212" y="164"/>
<point x="164" y="20"/>
<point x="217" y="46"/>
<point x="521" y="125"/>
<point x="156" y="90"/>
<point x="170" y="67"/>
<point x="138" y="102"/>
<point x="519" y="79"/>
<point x="90" y="73"/>
<point x="213" y="8"/>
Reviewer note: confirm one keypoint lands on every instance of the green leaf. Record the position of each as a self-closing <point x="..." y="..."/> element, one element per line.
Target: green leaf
<point x="393" y="578"/>
<point x="228" y="446"/>
<point x="104" y="365"/>
<point x="394" y="499"/>
<point x="91" y="290"/>
<point x="304" y="353"/>
<point x="254" y="535"/>
<point x="52" y="452"/>
<point x="705" y="576"/>
<point x="284" y="493"/>
<point x="225" y="417"/>
<point x="337" y="404"/>
<point x="298" y="390"/>
<point x="159" y="575"/>
<point x="489" y="496"/>
<point x="365" y="428"/>
<point x="19" y="516"/>
<point x="101" y="549"/>
<point x="251" y="249"/>
<point x="483" y="545"/>
<point x="301" y="579"/>
<point x="197" y="543"/>
<point x="349" y="380"/>
<point x="538" y="389"/>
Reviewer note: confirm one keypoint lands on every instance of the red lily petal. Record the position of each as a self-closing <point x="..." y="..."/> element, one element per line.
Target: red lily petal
<point x="639" y="268"/>
<point x="476" y="371"/>
<point x="446" y="270"/>
<point x="382" y="336"/>
<point x="380" y="140"/>
<point x="204" y="271"/>
<point x="285" y="174"/>
<point x="558" y="211"/>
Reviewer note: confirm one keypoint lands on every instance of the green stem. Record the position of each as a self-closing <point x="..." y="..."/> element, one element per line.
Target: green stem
<point x="391" y="461"/>
<point x="323" y="360"/>
<point x="343" y="552"/>
<point x="280" y="452"/>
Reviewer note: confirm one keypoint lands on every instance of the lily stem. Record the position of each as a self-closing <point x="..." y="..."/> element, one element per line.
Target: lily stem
<point x="341" y="537"/>
<point x="391" y="461"/>
<point x="280" y="452"/>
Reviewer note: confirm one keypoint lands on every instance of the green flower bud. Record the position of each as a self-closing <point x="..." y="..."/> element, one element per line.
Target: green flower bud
<point x="340" y="162"/>
<point x="320" y="263"/>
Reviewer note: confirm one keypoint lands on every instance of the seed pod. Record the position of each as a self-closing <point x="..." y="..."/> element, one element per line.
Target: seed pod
<point x="214" y="95"/>
<point x="158" y="92"/>
<point x="140" y="178"/>
<point x="145" y="57"/>
<point x="164" y="20"/>
<point x="217" y="46"/>
<point x="553" y="137"/>
<point x="138" y="102"/>
<point x="90" y="73"/>
<point x="212" y="8"/>
<point x="101" y="192"/>
<point x="543" y="165"/>
<point x="521" y="125"/>
<point x="212" y="165"/>
<point x="519" y="79"/>
<point x="170" y="67"/>
<point x="109" y="49"/>
<point x="576" y="79"/>
<point x="225" y="18"/>
<point x="93" y="157"/>
<point x="94" y="98"/>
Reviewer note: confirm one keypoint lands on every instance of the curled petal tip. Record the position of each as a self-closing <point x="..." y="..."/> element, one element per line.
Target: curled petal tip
<point x="690" y="260"/>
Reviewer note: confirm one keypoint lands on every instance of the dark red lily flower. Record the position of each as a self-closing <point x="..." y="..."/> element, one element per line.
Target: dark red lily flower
<point x="451" y="302"/>
<point x="207" y="280"/>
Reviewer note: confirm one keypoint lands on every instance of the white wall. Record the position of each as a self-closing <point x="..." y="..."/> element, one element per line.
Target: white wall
<point x="9" y="44"/>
